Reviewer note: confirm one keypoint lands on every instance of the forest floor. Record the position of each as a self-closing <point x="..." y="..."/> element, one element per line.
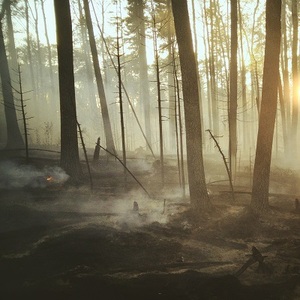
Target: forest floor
<point x="60" y="241"/>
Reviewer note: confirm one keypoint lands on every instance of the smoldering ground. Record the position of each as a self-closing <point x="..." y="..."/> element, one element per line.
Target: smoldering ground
<point x="14" y="175"/>
<point x="71" y="240"/>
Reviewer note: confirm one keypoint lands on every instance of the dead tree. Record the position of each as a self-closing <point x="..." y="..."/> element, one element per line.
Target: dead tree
<point x="225" y="163"/>
<point x="255" y="257"/>
<point x="159" y="100"/>
<point x="22" y="108"/>
<point x="97" y="151"/>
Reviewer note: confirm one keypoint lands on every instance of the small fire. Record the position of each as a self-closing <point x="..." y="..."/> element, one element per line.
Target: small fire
<point x="49" y="179"/>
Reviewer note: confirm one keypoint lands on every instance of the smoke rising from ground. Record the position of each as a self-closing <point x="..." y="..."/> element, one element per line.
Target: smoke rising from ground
<point x="13" y="175"/>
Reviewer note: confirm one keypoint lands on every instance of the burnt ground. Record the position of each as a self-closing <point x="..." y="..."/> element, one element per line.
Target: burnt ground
<point x="65" y="241"/>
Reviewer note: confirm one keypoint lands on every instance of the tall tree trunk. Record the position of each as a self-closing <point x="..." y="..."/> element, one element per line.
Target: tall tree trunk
<point x="286" y="79"/>
<point x="48" y="45"/>
<point x="14" y="137"/>
<point x="295" y="77"/>
<point x="233" y="89"/>
<point x="69" y="159"/>
<point x="104" y="109"/>
<point x="245" y="136"/>
<point x="144" y="80"/>
<point x="89" y="87"/>
<point x="283" y="114"/>
<point x="261" y="173"/>
<point x="159" y="100"/>
<point x="40" y="79"/>
<point x="11" y="47"/>
<point x="212" y="68"/>
<point x="171" y="87"/>
<point x="29" y="60"/>
<point x="197" y="65"/>
<point x="197" y="185"/>
<point x="122" y="121"/>
<point x="206" y="50"/>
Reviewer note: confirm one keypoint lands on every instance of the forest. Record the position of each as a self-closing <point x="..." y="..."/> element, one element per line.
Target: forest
<point x="148" y="149"/>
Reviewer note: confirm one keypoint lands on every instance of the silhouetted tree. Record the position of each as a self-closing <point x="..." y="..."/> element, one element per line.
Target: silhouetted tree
<point x="295" y="109"/>
<point x="197" y="185"/>
<point x="69" y="140"/>
<point x="137" y="30"/>
<point x="14" y="137"/>
<point x="261" y="172"/>
<point x="105" y="115"/>
<point x="233" y="88"/>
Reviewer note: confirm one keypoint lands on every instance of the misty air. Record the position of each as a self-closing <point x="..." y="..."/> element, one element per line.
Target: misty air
<point x="149" y="149"/>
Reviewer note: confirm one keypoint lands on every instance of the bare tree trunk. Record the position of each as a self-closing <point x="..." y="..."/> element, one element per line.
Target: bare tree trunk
<point x="30" y="62"/>
<point x="69" y="139"/>
<point x="206" y="50"/>
<point x="245" y="136"/>
<point x="144" y="80"/>
<point x="11" y="46"/>
<point x="233" y="89"/>
<point x="171" y="87"/>
<point x="295" y="78"/>
<point x="121" y="100"/>
<point x="159" y="100"/>
<point x="89" y="88"/>
<point x="106" y="120"/>
<point x="40" y="64"/>
<point x="212" y="68"/>
<point x="197" y="185"/>
<point x="283" y="115"/>
<point x="262" y="165"/>
<point x="14" y="137"/>
<point x="48" y="46"/>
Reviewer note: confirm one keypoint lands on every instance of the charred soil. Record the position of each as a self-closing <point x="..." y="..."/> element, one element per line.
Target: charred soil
<point x="68" y="242"/>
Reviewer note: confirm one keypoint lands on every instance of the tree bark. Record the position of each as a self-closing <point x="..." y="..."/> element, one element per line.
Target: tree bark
<point x="295" y="78"/>
<point x="197" y="185"/>
<point x="13" y="136"/>
<point x="261" y="173"/>
<point x="144" y="80"/>
<point x="69" y="159"/>
<point x="233" y="88"/>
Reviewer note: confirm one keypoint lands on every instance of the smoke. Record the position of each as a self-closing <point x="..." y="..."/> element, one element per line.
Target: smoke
<point x="13" y="175"/>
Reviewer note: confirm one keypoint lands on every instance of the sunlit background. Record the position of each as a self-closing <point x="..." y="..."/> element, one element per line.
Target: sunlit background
<point x="35" y="43"/>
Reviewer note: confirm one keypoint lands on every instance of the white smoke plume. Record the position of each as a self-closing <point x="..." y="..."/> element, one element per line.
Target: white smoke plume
<point x="13" y="175"/>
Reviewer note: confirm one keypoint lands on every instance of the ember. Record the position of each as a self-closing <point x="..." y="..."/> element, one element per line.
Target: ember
<point x="50" y="179"/>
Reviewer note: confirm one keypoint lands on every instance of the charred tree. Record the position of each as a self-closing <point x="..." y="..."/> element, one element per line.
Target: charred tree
<point x="243" y="80"/>
<point x="198" y="192"/>
<point x="29" y="58"/>
<point x="261" y="172"/>
<point x="69" y="159"/>
<point x="89" y="86"/>
<point x="24" y="113"/>
<point x="121" y="103"/>
<point x="295" y="77"/>
<point x="179" y="130"/>
<point x="159" y="100"/>
<point x="104" y="109"/>
<point x="48" y="45"/>
<point x="233" y="89"/>
<point x="143" y="66"/>
<point x="13" y="134"/>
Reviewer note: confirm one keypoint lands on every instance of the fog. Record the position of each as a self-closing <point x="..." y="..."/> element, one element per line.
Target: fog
<point x="13" y="175"/>
<point x="40" y="80"/>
